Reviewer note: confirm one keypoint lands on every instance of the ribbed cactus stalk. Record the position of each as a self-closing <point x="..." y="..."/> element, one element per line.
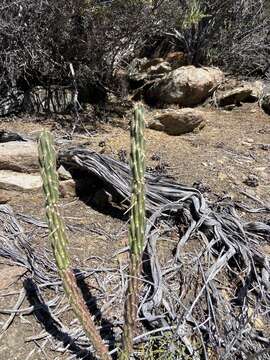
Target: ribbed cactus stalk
<point x="59" y="242"/>
<point x="136" y="229"/>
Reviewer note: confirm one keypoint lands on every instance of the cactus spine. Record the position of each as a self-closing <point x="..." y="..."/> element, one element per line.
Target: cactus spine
<point x="59" y="242"/>
<point x="136" y="229"/>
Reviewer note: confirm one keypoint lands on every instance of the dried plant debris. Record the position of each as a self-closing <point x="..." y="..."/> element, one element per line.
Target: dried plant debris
<point x="206" y="292"/>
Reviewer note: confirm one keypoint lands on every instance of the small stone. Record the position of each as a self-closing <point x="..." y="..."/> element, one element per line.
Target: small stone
<point x="177" y="122"/>
<point x="63" y="173"/>
<point x="252" y="181"/>
<point x="155" y="157"/>
<point x="67" y="188"/>
<point x="247" y="92"/>
<point x="265" y="103"/>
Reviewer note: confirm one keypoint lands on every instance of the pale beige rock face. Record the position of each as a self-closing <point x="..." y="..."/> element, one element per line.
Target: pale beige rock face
<point x="19" y="156"/>
<point x="11" y="180"/>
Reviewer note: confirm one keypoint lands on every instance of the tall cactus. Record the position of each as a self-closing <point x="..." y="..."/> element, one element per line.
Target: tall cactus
<point x="59" y="242"/>
<point x="136" y="229"/>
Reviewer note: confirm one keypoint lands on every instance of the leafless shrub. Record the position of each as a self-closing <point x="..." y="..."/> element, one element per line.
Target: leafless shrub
<point x="40" y="38"/>
<point x="233" y="34"/>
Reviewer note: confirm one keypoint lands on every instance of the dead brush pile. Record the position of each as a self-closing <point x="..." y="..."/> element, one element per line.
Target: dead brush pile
<point x="206" y="287"/>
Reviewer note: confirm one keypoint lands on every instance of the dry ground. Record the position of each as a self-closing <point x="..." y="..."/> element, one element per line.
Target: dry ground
<point x="231" y="147"/>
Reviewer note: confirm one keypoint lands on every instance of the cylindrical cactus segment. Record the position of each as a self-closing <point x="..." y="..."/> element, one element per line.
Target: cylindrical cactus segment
<point x="136" y="229"/>
<point x="58" y="237"/>
<point x="59" y="242"/>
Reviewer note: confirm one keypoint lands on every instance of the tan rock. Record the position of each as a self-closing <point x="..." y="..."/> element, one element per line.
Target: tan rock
<point x="19" y="156"/>
<point x="186" y="86"/>
<point x="67" y="188"/>
<point x="11" y="180"/>
<point x="177" y="122"/>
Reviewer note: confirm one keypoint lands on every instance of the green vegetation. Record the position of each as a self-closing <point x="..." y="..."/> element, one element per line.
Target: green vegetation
<point x="136" y="229"/>
<point x="59" y="242"/>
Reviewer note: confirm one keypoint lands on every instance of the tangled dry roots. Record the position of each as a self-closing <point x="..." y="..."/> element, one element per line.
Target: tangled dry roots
<point x="209" y="288"/>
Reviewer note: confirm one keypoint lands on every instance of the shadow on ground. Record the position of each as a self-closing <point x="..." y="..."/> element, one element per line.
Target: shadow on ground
<point x="43" y="315"/>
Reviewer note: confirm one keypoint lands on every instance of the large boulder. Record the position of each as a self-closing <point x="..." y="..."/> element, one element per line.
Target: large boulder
<point x="11" y="180"/>
<point x="19" y="156"/>
<point x="186" y="86"/>
<point x="177" y="122"/>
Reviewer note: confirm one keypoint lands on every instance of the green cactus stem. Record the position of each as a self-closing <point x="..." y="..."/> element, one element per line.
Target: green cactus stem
<point x="59" y="243"/>
<point x="136" y="230"/>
